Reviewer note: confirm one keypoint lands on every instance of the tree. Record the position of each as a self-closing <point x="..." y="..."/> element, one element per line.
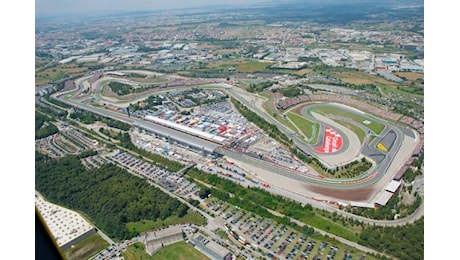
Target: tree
<point x="204" y="193"/>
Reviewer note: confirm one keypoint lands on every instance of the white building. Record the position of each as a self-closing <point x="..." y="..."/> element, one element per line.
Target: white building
<point x="66" y="226"/>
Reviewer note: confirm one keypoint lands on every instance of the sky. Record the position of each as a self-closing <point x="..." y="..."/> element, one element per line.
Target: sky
<point x="44" y="8"/>
<point x="59" y="7"/>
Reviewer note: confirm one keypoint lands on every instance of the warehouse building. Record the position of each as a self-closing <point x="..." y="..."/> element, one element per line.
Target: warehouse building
<point x="66" y="226"/>
<point x="210" y="248"/>
<point x="156" y="240"/>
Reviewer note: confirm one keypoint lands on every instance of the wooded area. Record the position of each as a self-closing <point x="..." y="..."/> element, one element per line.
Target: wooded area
<point x="43" y="130"/>
<point x="109" y="195"/>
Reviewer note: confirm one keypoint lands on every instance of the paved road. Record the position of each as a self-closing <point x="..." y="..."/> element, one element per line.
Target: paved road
<point x="364" y="180"/>
<point x="105" y="237"/>
<point x="232" y="91"/>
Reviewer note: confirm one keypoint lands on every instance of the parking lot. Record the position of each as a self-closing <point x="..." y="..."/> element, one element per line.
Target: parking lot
<point x="95" y="161"/>
<point x="169" y="180"/>
<point x="274" y="240"/>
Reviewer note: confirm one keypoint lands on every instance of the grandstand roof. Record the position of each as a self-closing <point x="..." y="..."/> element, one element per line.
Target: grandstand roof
<point x="393" y="186"/>
<point x="383" y="197"/>
<point x="186" y="129"/>
<point x="362" y="204"/>
<point x="177" y="135"/>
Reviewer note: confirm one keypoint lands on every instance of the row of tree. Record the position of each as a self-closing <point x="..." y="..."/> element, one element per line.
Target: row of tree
<point x="349" y="170"/>
<point x="290" y="91"/>
<point x="122" y="89"/>
<point x="149" y="103"/>
<point x="256" y="88"/>
<point x="415" y="170"/>
<point x="268" y="128"/>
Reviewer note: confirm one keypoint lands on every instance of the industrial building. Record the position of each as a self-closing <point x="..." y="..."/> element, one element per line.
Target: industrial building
<point x="156" y="240"/>
<point x="210" y="248"/>
<point x="66" y="226"/>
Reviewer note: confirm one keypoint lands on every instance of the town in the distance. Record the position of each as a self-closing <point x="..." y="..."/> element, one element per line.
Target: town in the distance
<point x="289" y="130"/>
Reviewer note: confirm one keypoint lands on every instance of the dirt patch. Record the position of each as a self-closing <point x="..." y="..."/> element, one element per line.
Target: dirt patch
<point x="353" y="195"/>
<point x="298" y="109"/>
<point x="303" y="71"/>
<point x="359" y="78"/>
<point x="83" y="252"/>
<point x="412" y="76"/>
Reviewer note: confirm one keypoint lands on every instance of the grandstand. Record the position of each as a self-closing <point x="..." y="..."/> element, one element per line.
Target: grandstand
<point x="185" y="139"/>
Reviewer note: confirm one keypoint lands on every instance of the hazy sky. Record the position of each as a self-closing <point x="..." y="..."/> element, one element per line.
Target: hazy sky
<point x="57" y="7"/>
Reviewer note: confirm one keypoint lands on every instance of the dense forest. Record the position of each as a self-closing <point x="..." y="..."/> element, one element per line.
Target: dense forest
<point x="406" y="242"/>
<point x="109" y="196"/>
<point x="43" y="126"/>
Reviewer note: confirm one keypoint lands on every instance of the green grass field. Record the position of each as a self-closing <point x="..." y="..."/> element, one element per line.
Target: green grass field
<point x="357" y="130"/>
<point x="308" y="128"/>
<point x="371" y="138"/>
<point x="375" y="126"/>
<point x="145" y="225"/>
<point x="136" y="251"/>
<point x="58" y="72"/>
<point x="405" y="91"/>
<point x="252" y="66"/>
<point x="177" y="251"/>
<point x="270" y="109"/>
<point x="412" y="76"/>
<point x="359" y="77"/>
<point x="222" y="234"/>
<point x="86" y="248"/>
<point x="300" y="72"/>
<point x="337" y="228"/>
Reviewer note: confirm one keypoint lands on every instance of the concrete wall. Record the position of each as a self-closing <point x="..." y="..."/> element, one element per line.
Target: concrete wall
<point x="78" y="239"/>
